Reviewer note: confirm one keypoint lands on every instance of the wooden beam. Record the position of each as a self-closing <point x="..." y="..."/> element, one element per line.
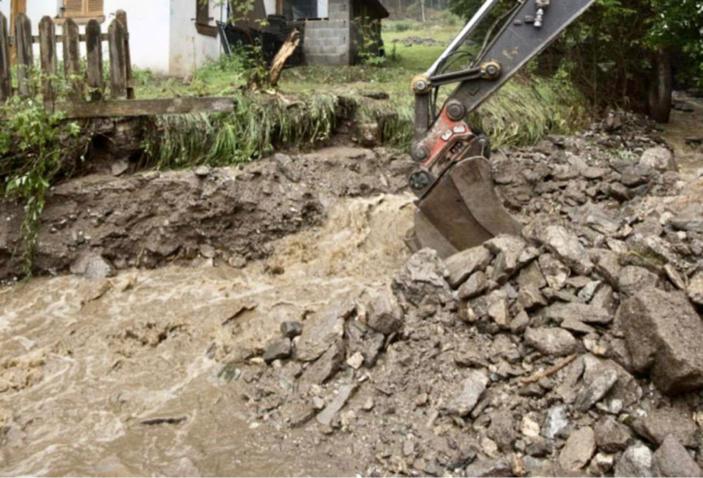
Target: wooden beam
<point x="153" y="107"/>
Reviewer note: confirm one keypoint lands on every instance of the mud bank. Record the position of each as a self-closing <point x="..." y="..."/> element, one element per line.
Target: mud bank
<point x="103" y="222"/>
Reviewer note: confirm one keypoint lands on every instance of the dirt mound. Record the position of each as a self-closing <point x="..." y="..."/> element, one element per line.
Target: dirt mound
<point x="99" y="223"/>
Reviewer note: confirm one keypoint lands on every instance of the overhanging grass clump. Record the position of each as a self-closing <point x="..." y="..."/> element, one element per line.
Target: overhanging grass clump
<point x="258" y="124"/>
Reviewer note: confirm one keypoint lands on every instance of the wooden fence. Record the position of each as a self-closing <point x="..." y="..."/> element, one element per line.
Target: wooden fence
<point x="88" y="85"/>
<point x="87" y="94"/>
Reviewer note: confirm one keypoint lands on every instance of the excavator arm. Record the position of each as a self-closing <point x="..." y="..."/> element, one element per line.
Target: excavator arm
<point x="457" y="207"/>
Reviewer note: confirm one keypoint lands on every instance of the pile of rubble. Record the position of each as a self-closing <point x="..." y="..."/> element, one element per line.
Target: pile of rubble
<point x="574" y="349"/>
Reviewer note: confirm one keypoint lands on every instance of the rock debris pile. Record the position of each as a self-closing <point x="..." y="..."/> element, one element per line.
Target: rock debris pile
<point x="574" y="349"/>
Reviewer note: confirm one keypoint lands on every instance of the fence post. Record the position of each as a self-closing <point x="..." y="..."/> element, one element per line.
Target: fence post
<point x="95" y="59"/>
<point x="121" y="15"/>
<point x="72" y="58"/>
<point x="47" y="52"/>
<point x="25" y="57"/>
<point x="5" y="77"/>
<point x="118" y="70"/>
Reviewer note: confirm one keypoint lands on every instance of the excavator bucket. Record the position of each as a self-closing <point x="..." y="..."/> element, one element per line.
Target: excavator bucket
<point x="462" y="210"/>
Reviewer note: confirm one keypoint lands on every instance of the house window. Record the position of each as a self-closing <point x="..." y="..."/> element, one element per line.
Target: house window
<point x="82" y="9"/>
<point x="202" y="18"/>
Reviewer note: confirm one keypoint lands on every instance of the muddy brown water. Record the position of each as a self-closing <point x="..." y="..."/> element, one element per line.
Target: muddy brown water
<point x="120" y="376"/>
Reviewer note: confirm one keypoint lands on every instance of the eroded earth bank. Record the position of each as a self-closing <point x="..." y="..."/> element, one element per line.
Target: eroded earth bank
<point x="271" y="320"/>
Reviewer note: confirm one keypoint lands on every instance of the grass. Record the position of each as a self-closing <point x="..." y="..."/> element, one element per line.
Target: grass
<point x="301" y="111"/>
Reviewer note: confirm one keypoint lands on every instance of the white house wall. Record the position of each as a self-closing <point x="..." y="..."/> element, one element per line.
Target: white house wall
<point x="189" y="49"/>
<point x="163" y="37"/>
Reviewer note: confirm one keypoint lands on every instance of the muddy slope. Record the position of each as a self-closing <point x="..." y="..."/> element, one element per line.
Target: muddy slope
<point x="149" y="219"/>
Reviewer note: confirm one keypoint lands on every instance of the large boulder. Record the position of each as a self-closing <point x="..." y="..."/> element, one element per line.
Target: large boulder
<point x="663" y="334"/>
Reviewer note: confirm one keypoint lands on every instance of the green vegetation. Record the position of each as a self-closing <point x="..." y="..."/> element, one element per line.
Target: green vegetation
<point x="32" y="145"/>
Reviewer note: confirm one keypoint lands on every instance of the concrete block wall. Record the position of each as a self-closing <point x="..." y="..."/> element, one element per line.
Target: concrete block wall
<point x="327" y="42"/>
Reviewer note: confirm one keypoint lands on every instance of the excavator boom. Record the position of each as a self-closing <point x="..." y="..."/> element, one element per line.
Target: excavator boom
<point x="457" y="205"/>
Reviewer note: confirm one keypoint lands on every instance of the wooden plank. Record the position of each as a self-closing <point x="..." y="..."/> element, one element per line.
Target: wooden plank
<point x="94" y="60"/>
<point x="72" y="58"/>
<point x="5" y="76"/>
<point x="118" y="63"/>
<point x="152" y="107"/>
<point x="25" y="56"/>
<point x="59" y="38"/>
<point x="121" y="16"/>
<point x="48" y="61"/>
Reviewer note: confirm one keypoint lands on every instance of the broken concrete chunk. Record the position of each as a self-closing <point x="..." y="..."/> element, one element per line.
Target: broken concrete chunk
<point x="663" y="334"/>
<point x="278" y="349"/>
<point x="589" y="314"/>
<point x="672" y="459"/>
<point x="471" y="390"/>
<point x="462" y="264"/>
<point x="695" y="288"/>
<point x="551" y="341"/>
<point x="383" y="314"/>
<point x="660" y="423"/>
<point x="345" y="392"/>
<point x="633" y="279"/>
<point x="565" y="245"/>
<point x="595" y="388"/>
<point x="578" y="450"/>
<point x="611" y="436"/>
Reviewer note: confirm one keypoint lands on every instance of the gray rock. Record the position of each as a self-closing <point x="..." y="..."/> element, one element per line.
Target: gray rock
<point x="637" y="460"/>
<point x="322" y="330"/>
<point x="578" y="450"/>
<point x="596" y="388"/>
<point x="383" y="314"/>
<point x="663" y="334"/>
<point x="554" y="271"/>
<point x="462" y="264"/>
<point x="660" y="423"/>
<point x="672" y="459"/>
<point x="531" y="276"/>
<point x="601" y="464"/>
<point x="497" y="308"/>
<point x="469" y="394"/>
<point x="326" y="366"/>
<point x="574" y="325"/>
<point x="489" y="467"/>
<point x="633" y="279"/>
<point x="508" y="251"/>
<point x="589" y="314"/>
<point x="551" y="340"/>
<point x="607" y="264"/>
<point x="361" y="339"/>
<point x="278" y="349"/>
<point x="291" y="329"/>
<point x="421" y="280"/>
<point x="695" y="288"/>
<point x="611" y="436"/>
<point x="92" y="266"/>
<point x="502" y="429"/>
<point x="474" y="286"/>
<point x="555" y="422"/>
<point x="567" y="247"/>
<point x="520" y="322"/>
<point x="659" y="158"/>
<point x="345" y="392"/>
<point x="530" y="297"/>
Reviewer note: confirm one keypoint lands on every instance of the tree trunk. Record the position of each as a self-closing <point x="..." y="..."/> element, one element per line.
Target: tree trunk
<point x="661" y="88"/>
